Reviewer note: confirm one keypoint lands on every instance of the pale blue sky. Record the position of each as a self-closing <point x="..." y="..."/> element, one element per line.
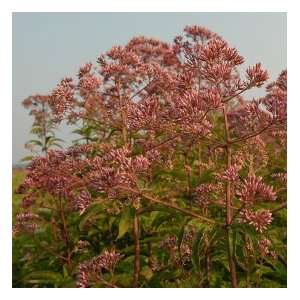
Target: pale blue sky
<point x="50" y="46"/>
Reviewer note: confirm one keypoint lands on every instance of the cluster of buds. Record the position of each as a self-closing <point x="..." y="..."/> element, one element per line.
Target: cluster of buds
<point x="199" y="32"/>
<point x="25" y="223"/>
<point x="206" y="192"/>
<point x="60" y="173"/>
<point x="62" y="98"/>
<point x="89" y="83"/>
<point x="92" y="269"/>
<point x="152" y="50"/>
<point x="254" y="189"/>
<point x="263" y="246"/>
<point x="256" y="75"/>
<point x="144" y="114"/>
<point x="183" y="255"/>
<point x="248" y="118"/>
<point x="282" y="177"/>
<point x="275" y="102"/>
<point x="28" y="201"/>
<point x="259" y="219"/>
<point x="82" y="201"/>
<point x="115" y="170"/>
<point x="231" y="173"/>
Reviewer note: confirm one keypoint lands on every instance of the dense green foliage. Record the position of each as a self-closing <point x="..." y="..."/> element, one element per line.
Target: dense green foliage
<point x="36" y="260"/>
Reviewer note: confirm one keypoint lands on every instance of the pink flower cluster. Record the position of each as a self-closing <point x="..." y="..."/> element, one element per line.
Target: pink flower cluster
<point x="62" y="98"/>
<point x="82" y="201"/>
<point x="263" y="246"/>
<point x="198" y="32"/>
<point x="92" y="269"/>
<point x="183" y="254"/>
<point x="25" y="223"/>
<point x="115" y="171"/>
<point x="144" y="114"/>
<point x="275" y="102"/>
<point x="230" y="174"/>
<point x="254" y="189"/>
<point x="281" y="177"/>
<point x="256" y="75"/>
<point x="259" y="219"/>
<point x="206" y="192"/>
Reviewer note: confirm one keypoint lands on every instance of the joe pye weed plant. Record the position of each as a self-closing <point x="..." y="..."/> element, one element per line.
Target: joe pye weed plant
<point x="178" y="180"/>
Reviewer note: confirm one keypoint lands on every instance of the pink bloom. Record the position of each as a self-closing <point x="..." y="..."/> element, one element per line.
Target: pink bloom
<point x="254" y="189"/>
<point x="107" y="260"/>
<point x="89" y="83"/>
<point x="82" y="201"/>
<point x="28" y="201"/>
<point x="205" y="192"/>
<point x="231" y="174"/>
<point x="85" y="69"/>
<point x="198" y="32"/>
<point x="256" y="75"/>
<point x="25" y="223"/>
<point x="259" y="219"/>
<point x="62" y="98"/>
<point x="82" y="276"/>
<point x="263" y="246"/>
<point x="141" y="163"/>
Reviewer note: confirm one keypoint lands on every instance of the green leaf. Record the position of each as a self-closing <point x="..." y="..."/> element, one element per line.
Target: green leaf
<point x="27" y="158"/>
<point x="57" y="145"/>
<point x="147" y="272"/>
<point x="162" y="218"/>
<point x="126" y="221"/>
<point x="43" y="277"/>
<point x="45" y="213"/>
<point x="158" y="278"/>
<point x="36" y="142"/>
<point x="196" y="248"/>
<point x="181" y="233"/>
<point x="92" y="212"/>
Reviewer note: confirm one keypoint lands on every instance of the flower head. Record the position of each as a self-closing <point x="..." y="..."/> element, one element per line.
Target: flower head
<point x="256" y="75"/>
<point x="253" y="189"/>
<point x="259" y="219"/>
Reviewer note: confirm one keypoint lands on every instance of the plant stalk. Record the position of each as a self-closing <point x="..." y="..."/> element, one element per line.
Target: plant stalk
<point x="229" y="210"/>
<point x="137" y="249"/>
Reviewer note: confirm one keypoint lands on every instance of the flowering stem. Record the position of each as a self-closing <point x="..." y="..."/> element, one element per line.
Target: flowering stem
<point x="170" y="205"/>
<point x="65" y="234"/>
<point x="246" y="137"/>
<point x="123" y="113"/>
<point x="229" y="210"/>
<point x="282" y="206"/>
<point x="235" y="95"/>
